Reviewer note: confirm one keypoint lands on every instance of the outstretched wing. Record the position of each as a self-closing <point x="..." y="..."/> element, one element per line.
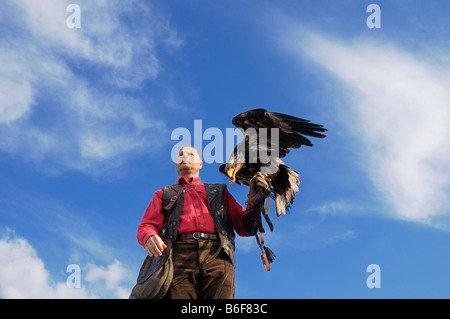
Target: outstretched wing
<point x="292" y="130"/>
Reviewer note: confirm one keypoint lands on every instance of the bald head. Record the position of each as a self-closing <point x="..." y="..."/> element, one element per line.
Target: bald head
<point x="188" y="162"/>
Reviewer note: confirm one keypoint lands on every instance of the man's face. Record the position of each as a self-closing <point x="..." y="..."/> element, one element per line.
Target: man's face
<point x="188" y="161"/>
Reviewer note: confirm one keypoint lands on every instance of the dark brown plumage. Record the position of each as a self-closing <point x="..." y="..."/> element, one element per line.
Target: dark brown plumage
<point x="249" y="157"/>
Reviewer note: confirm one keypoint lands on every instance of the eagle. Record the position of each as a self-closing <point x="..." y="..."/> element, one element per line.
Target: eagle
<point x="268" y="137"/>
<point x="251" y="156"/>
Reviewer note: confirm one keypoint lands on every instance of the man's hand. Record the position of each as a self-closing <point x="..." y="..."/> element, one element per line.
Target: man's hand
<point x="155" y="246"/>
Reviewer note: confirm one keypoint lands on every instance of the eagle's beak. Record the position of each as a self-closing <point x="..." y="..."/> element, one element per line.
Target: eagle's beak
<point x="232" y="174"/>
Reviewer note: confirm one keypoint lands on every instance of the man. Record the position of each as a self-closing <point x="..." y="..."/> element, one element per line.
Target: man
<point x="203" y="254"/>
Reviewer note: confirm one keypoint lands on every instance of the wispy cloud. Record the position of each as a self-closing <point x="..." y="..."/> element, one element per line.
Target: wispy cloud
<point x="399" y="108"/>
<point x="78" y="230"/>
<point x="310" y="232"/>
<point x="335" y="208"/>
<point x="65" y="93"/>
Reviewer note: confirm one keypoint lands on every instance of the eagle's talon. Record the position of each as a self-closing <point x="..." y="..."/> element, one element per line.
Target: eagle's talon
<point x="266" y="179"/>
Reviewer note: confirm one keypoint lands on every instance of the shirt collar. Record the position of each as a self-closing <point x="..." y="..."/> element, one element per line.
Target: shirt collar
<point x="183" y="181"/>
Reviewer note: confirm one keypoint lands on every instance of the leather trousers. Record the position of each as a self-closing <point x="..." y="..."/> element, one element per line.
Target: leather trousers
<point x="201" y="271"/>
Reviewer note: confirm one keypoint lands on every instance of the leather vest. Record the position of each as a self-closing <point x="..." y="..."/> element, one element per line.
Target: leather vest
<point x="216" y="206"/>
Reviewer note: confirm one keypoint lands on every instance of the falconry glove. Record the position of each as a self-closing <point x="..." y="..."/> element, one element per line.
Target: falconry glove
<point x="259" y="191"/>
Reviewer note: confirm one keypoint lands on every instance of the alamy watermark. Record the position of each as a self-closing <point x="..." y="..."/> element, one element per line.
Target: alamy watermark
<point x="374" y="279"/>
<point x="374" y="19"/>
<point x="74" y="279"/>
<point x="74" y="19"/>
<point x="263" y="144"/>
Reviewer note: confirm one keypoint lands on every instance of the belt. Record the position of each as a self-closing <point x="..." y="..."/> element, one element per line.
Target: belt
<point x="198" y="236"/>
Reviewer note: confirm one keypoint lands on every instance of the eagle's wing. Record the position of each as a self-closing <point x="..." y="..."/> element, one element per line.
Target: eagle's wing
<point x="292" y="130"/>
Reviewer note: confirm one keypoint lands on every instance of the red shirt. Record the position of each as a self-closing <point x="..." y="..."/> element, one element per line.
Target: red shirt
<point x="195" y="215"/>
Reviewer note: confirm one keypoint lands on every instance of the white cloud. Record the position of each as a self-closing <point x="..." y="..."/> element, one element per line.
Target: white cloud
<point x="64" y="93"/>
<point x="23" y="276"/>
<point x="111" y="277"/>
<point x="400" y="100"/>
<point x="72" y="239"/>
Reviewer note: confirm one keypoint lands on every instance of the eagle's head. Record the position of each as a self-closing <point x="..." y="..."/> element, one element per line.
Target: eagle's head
<point x="231" y="169"/>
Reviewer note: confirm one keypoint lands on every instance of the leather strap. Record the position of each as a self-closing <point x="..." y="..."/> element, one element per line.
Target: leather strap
<point x="169" y="206"/>
<point x="198" y="236"/>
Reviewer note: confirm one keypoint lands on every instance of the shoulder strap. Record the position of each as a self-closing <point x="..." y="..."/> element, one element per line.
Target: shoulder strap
<point x="171" y="215"/>
<point x="168" y="207"/>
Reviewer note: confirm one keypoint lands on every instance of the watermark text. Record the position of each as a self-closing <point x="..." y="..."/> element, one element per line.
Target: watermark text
<point x="262" y="146"/>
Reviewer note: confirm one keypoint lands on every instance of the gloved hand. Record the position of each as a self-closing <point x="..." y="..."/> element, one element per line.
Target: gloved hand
<point x="257" y="194"/>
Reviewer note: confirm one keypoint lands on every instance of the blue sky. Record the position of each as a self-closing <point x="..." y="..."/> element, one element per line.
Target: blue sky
<point x="86" y="117"/>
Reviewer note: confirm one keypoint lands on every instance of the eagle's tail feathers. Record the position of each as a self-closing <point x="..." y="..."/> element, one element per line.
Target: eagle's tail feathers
<point x="284" y="200"/>
<point x="280" y="203"/>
